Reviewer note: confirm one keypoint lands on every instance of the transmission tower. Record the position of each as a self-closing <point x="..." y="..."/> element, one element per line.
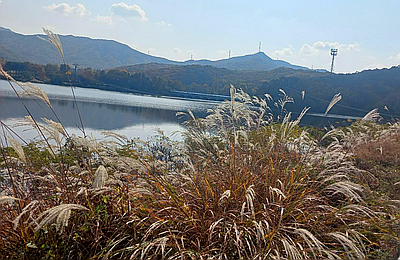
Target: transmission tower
<point x="259" y="47"/>
<point x="334" y="52"/>
<point x="229" y="54"/>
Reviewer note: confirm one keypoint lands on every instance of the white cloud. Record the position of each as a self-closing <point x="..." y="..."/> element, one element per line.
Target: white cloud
<point x="191" y="54"/>
<point x="176" y="50"/>
<point x="395" y="58"/>
<point x="104" y="19"/>
<point x="318" y="47"/>
<point x="374" y="63"/>
<point x="79" y="10"/>
<point x="124" y="10"/>
<point x="183" y="55"/>
<point x="222" y="52"/>
<point x="163" y="24"/>
<point x="375" y="66"/>
<point x="350" y="47"/>
<point x="285" y="52"/>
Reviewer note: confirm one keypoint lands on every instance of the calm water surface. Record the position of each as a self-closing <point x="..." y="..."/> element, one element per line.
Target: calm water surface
<point x="127" y="114"/>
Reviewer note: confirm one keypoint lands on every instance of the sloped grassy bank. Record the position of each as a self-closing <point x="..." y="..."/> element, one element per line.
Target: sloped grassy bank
<point x="243" y="185"/>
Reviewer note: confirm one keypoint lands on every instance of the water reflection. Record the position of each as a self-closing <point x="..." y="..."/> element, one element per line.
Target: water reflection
<point x="131" y="115"/>
<point x="127" y="114"/>
<point x="128" y="120"/>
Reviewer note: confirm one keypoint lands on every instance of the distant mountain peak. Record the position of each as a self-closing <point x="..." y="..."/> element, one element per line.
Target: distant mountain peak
<point x="260" y="53"/>
<point x="258" y="61"/>
<point x="105" y="54"/>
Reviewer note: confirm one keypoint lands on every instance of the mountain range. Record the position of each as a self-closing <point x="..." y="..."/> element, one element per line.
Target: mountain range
<point x="127" y="70"/>
<point x="105" y="54"/>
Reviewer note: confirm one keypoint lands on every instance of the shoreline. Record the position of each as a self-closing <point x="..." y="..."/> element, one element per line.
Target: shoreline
<point x="53" y="96"/>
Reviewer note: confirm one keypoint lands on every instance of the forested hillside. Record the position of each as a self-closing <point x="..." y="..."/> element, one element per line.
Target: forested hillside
<point x="87" y="52"/>
<point x="258" y="61"/>
<point x="105" y="54"/>
<point x="361" y="92"/>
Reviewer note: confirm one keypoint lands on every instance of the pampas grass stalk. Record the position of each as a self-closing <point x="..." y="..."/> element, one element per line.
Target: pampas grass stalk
<point x="26" y="108"/>
<point x="55" y="41"/>
<point x="336" y="98"/>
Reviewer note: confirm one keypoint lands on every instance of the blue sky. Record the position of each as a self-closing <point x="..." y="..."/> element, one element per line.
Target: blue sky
<point x="367" y="33"/>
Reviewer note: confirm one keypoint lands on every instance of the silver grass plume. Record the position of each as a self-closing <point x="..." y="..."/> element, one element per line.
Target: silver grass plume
<point x="336" y="98"/>
<point x="300" y="117"/>
<point x="303" y="94"/>
<point x="212" y="227"/>
<point x="291" y="249"/>
<point x="232" y="91"/>
<point x="58" y="214"/>
<point x="5" y="74"/>
<point x="6" y="199"/>
<point x="121" y="138"/>
<point x="100" y="177"/>
<point x="55" y="126"/>
<point x="29" y="88"/>
<point x="18" y="149"/>
<point x="225" y="195"/>
<point x="286" y="99"/>
<point x="312" y="242"/>
<point x="30" y="208"/>
<point x="34" y="91"/>
<point x="51" y="130"/>
<point x="28" y="121"/>
<point x="54" y="40"/>
<point x="372" y="115"/>
<point x="348" y="244"/>
<point x="88" y="142"/>
<point x="189" y="114"/>
<point x="347" y="188"/>
<point x="356" y="209"/>
<point x="250" y="196"/>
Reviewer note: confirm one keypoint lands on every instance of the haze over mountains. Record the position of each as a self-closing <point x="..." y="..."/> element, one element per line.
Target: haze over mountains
<point x="105" y="54"/>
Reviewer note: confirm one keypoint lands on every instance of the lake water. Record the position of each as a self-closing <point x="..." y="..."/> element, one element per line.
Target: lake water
<point x="126" y="114"/>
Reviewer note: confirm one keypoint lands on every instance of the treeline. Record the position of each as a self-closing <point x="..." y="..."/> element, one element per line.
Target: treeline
<point x="150" y="78"/>
<point x="115" y="79"/>
<point x="361" y="92"/>
<point x="208" y="79"/>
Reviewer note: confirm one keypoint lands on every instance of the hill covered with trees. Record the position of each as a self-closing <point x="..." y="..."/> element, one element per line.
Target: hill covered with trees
<point x="87" y="52"/>
<point x="106" y="54"/>
<point x="361" y="92"/>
